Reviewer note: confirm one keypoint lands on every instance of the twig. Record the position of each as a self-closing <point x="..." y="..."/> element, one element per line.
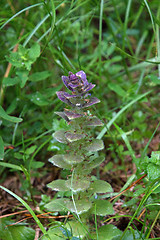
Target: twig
<point x="11" y="6"/>
<point x="37" y="233"/>
<point x="134" y="183"/>
<point x="12" y="214"/>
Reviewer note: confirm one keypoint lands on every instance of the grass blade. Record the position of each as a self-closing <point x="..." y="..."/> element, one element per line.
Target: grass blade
<point x="108" y="125"/>
<point x="9" y="165"/>
<point x="27" y="207"/>
<point x="124" y="137"/>
<point x="18" y="13"/>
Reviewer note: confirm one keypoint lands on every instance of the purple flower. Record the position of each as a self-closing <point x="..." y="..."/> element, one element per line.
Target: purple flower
<point x="78" y="84"/>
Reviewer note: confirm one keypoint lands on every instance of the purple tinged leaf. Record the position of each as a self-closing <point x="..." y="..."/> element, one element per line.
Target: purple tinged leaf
<point x="74" y="86"/>
<point x="72" y="100"/>
<point x="90" y="102"/>
<point x="65" y="81"/>
<point x="77" y="80"/>
<point x="88" y="87"/>
<point x="63" y="115"/>
<point x="81" y="74"/>
<point x="71" y="82"/>
<point x="72" y="115"/>
<point x="93" y="121"/>
<point x="64" y="97"/>
<point x="61" y="96"/>
<point x="69" y="115"/>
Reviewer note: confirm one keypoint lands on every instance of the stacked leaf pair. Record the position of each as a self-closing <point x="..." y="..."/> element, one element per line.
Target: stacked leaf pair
<point x="82" y="151"/>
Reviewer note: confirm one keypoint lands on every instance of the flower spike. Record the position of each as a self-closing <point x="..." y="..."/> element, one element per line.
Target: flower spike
<point x="78" y="84"/>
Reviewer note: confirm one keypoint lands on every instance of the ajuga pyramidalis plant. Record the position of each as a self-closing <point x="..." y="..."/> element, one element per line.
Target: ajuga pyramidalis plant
<point x="81" y="156"/>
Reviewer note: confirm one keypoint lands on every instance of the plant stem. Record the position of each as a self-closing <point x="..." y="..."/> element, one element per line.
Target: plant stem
<point x="158" y="42"/>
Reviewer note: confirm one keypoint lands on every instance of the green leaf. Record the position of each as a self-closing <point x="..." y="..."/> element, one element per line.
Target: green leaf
<point x="15" y="59"/>
<point x="95" y="162"/>
<point x="153" y="171"/>
<point x="60" y="136"/>
<point x="78" y="230"/>
<point x="23" y="77"/>
<point x="39" y="76"/>
<point x="10" y="165"/>
<point x="24" y="58"/>
<point x="12" y="106"/>
<point x="95" y="145"/>
<point x="117" y="89"/>
<point x="155" y="157"/>
<point x="38" y="99"/>
<point x="58" y="161"/>
<point x="102" y="208"/>
<point x="57" y="205"/>
<point x="37" y="164"/>
<point x="58" y="185"/>
<point x="109" y="231"/>
<point x="4" y="115"/>
<point x="72" y="159"/>
<point x="100" y="186"/>
<point x="55" y="233"/>
<point x="34" y="51"/>
<point x="154" y="78"/>
<point x="18" y="155"/>
<point x="30" y="150"/>
<point x="1" y="149"/>
<point x="71" y="137"/>
<point x="17" y="232"/>
<point x="156" y="190"/>
<point x="77" y="185"/>
<point x="27" y="207"/>
<point x="7" y="82"/>
<point x="22" y="51"/>
<point x="50" y="92"/>
<point x="131" y="235"/>
<point x="130" y="203"/>
<point x="80" y="206"/>
<point x="62" y="115"/>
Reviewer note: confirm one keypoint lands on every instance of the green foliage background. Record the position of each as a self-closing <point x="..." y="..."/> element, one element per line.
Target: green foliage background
<point x="115" y="42"/>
